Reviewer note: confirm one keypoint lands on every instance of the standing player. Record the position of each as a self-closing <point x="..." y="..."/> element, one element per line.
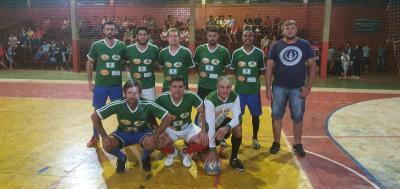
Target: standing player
<point x="107" y="53"/>
<point x="247" y="63"/>
<point x="291" y="59"/>
<point x="218" y="104"/>
<point x="179" y="102"/>
<point x="212" y="60"/>
<point x="175" y="59"/>
<point x="133" y="126"/>
<point x="142" y="57"/>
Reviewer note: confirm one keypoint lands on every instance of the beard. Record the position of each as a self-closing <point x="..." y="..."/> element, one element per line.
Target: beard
<point x="110" y="36"/>
<point x="290" y="37"/>
<point x="143" y="43"/>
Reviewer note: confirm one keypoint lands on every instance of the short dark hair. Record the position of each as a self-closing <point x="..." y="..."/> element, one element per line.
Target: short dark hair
<point x="176" y="79"/>
<point x="212" y="29"/>
<point x="142" y="28"/>
<point x="132" y="83"/>
<point x="109" y="23"/>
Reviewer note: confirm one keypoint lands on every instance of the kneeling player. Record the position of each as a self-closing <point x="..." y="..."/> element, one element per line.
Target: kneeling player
<point x="179" y="103"/>
<point x="217" y="106"/>
<point x="133" y="125"/>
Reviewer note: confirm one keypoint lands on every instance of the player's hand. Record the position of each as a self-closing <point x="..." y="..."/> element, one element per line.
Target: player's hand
<point x="91" y="87"/>
<point x="212" y="154"/>
<point x="203" y="138"/>
<point x="269" y="94"/>
<point x="305" y="91"/>
<point x="219" y="135"/>
<point x="106" y="142"/>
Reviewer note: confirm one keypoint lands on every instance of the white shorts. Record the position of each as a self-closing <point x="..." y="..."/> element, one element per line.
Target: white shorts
<point x="185" y="134"/>
<point x="149" y="94"/>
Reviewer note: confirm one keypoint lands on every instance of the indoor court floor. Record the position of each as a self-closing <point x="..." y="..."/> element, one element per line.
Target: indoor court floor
<point x="350" y="137"/>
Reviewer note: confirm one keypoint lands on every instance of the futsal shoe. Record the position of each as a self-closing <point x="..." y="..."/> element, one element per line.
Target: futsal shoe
<point x="170" y="158"/>
<point x="298" y="149"/>
<point x="93" y="142"/>
<point x="186" y="161"/>
<point x="274" y="148"/>
<point x="120" y="166"/>
<point x="236" y="164"/>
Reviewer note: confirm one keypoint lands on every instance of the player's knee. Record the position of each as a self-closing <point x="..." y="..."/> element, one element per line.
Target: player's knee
<point x="114" y="144"/>
<point x="147" y="140"/>
<point x="237" y="131"/>
<point x="297" y="118"/>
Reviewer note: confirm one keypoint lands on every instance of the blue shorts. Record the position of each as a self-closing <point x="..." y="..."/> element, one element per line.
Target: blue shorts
<point x="296" y="103"/>
<point x="100" y="95"/>
<point x="253" y="102"/>
<point x="130" y="138"/>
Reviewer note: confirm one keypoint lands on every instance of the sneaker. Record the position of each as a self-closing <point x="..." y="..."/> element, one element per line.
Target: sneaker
<point x="274" y="148"/>
<point x="235" y="163"/>
<point x="223" y="143"/>
<point x="170" y="159"/>
<point x="256" y="144"/>
<point x="298" y="149"/>
<point x="120" y="166"/>
<point x="146" y="165"/>
<point x="93" y="142"/>
<point x="186" y="161"/>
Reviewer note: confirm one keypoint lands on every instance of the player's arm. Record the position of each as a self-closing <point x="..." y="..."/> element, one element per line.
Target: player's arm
<point x="165" y="121"/>
<point x="89" y="72"/>
<point x="210" y="120"/>
<point x="311" y="72"/>
<point x="203" y="122"/>
<point x="237" y="113"/>
<point x="97" y="123"/>
<point x="268" y="78"/>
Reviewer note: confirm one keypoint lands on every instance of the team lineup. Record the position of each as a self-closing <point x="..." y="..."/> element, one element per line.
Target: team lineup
<point x="289" y="70"/>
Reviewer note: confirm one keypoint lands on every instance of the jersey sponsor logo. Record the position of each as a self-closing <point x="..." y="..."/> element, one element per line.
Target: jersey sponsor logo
<point x="184" y="115"/>
<point x="110" y="64"/>
<point x="136" y="61"/>
<point x="246" y="71"/>
<point x="138" y="123"/>
<point x="177" y="123"/>
<point x="209" y="68"/>
<point x="241" y="78"/>
<point x="125" y="122"/>
<point x="116" y="57"/>
<point x="252" y="64"/>
<point x="215" y="61"/>
<point x="251" y="79"/>
<point x="290" y="55"/>
<point x="205" y="60"/>
<point x="168" y="64"/>
<point x="147" y="74"/>
<point x="178" y="64"/>
<point x="105" y="57"/>
<point x="173" y="71"/>
<point x="104" y="72"/>
<point x="147" y="61"/>
<point x="214" y="76"/>
<point x="203" y="74"/>
<point x="241" y="64"/>
<point x="142" y="68"/>
<point x="115" y="73"/>
<point x="137" y="75"/>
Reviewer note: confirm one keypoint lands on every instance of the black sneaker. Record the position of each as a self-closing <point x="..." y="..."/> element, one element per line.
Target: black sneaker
<point x="146" y="165"/>
<point x="120" y="166"/>
<point x="275" y="148"/>
<point x="235" y="163"/>
<point x="298" y="149"/>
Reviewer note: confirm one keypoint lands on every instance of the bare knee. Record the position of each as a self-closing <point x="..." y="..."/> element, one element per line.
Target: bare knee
<point x="237" y="131"/>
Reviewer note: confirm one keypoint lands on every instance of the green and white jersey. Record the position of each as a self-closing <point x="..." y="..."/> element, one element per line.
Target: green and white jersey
<point x="132" y="120"/>
<point x="109" y="62"/>
<point x="181" y="112"/>
<point x="246" y="68"/>
<point x="211" y="64"/>
<point x="142" y="63"/>
<point x="177" y="64"/>
<point x="217" y="109"/>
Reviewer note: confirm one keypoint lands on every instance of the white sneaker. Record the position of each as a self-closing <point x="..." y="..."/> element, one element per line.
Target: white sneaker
<point x="186" y="161"/>
<point x="170" y="159"/>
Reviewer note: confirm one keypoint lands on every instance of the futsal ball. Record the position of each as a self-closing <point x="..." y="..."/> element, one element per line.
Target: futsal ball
<point x="212" y="167"/>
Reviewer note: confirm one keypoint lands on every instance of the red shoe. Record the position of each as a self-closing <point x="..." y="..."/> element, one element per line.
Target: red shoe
<point x="93" y="142"/>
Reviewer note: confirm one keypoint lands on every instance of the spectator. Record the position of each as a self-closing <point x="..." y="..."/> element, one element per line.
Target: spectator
<point x="65" y="24"/>
<point x="273" y="41"/>
<point x="268" y="25"/>
<point x="366" y="57"/>
<point x="221" y="24"/>
<point x="128" y="36"/>
<point x="185" y="36"/>
<point x="265" y="44"/>
<point x="163" y="37"/>
<point x="233" y="33"/>
<point x="345" y="62"/>
<point x="10" y="55"/>
<point x="29" y="36"/>
<point x="248" y="23"/>
<point x="211" y="22"/>
<point x="380" y="63"/>
<point x="44" y="50"/>
<point x="331" y="58"/>
<point x="357" y="54"/>
<point x="12" y="40"/>
<point x="151" y="25"/>
<point x="258" y="23"/>
<point x="169" y="22"/>
<point x="3" y="63"/>
<point x="46" y="23"/>
<point x="23" y="37"/>
<point x="229" y="23"/>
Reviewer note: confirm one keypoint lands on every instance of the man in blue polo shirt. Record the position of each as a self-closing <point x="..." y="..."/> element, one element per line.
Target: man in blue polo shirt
<point x="292" y="61"/>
